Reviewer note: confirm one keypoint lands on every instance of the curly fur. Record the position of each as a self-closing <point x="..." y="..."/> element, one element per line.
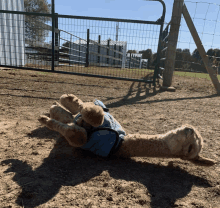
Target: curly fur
<point x="74" y="134"/>
<point x="92" y="114"/>
<point x="184" y="142"/>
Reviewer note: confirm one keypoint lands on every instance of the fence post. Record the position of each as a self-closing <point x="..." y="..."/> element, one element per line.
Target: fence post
<point x="172" y="43"/>
<point x="53" y="40"/>
<point x="87" y="50"/>
<point x="70" y="51"/>
<point x="79" y="52"/>
<point x="201" y="49"/>
<point x="99" y="41"/>
<point x="114" y="55"/>
<point x="140" y="63"/>
<point x="108" y="44"/>
<point x="119" y="56"/>
<point x="56" y="41"/>
<point x="130" y="61"/>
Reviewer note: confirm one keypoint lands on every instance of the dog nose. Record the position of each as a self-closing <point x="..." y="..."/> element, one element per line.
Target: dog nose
<point x="188" y="131"/>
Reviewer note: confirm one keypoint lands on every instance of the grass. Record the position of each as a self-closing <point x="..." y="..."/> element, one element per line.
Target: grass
<point x="118" y="71"/>
<point x="193" y="74"/>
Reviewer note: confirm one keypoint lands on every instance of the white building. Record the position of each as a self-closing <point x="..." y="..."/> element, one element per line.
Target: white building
<point x="133" y="60"/>
<point x="78" y="53"/>
<point x="12" y="40"/>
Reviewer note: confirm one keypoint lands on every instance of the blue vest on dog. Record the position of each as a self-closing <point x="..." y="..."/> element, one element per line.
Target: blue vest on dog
<point x="105" y="139"/>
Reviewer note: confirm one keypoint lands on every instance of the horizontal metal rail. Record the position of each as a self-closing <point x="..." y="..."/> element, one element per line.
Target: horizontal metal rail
<point x="91" y="41"/>
<point x="68" y="61"/>
<point x="106" y="47"/>
<point x="26" y="13"/>
<point x="105" y="56"/>
<point x="158" y="22"/>
<point x="72" y="35"/>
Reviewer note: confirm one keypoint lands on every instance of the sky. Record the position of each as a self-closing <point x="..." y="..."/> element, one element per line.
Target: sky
<point x="205" y="14"/>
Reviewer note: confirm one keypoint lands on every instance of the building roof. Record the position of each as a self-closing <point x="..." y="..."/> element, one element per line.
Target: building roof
<point x="103" y="42"/>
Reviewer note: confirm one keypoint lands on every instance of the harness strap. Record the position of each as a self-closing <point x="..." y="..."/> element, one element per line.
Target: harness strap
<point x="116" y="145"/>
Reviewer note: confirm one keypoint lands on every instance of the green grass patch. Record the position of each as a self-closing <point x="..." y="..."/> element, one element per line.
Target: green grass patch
<point x="193" y="74"/>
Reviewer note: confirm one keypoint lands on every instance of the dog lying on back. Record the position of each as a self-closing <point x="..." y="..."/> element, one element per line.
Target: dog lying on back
<point x="90" y="126"/>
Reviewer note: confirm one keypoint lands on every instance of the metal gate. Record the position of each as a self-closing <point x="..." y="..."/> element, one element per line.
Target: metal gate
<point x="79" y="45"/>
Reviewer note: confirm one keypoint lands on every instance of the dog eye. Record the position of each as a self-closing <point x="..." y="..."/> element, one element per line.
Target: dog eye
<point x="190" y="148"/>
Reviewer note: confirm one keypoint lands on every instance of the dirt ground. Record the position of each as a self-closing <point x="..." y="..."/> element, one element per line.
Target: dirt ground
<point x="39" y="169"/>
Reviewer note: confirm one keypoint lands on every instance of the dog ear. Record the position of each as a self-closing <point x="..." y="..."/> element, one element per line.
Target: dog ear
<point x="175" y="141"/>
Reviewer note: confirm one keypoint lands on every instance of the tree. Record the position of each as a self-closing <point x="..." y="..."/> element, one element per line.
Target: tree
<point x="35" y="25"/>
<point x="131" y="51"/>
<point x="214" y="56"/>
<point x="179" y="55"/>
<point x="186" y="56"/>
<point x="196" y="56"/>
<point x="154" y="59"/>
<point x="65" y="47"/>
<point x="179" y="58"/>
<point x="147" y="54"/>
<point x="210" y="53"/>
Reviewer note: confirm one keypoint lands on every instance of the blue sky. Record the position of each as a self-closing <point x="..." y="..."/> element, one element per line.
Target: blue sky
<point x="140" y="10"/>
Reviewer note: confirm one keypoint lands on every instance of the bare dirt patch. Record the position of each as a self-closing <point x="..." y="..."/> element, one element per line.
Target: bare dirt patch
<point x="39" y="169"/>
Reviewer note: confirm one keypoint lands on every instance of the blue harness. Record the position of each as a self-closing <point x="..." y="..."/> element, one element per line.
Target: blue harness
<point x="106" y="139"/>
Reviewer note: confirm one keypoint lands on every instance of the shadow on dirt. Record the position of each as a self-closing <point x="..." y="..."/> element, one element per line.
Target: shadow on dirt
<point x="136" y="95"/>
<point x="67" y="166"/>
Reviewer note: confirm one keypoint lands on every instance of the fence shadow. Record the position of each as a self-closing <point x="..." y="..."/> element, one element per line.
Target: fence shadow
<point x="136" y="94"/>
<point x="67" y="166"/>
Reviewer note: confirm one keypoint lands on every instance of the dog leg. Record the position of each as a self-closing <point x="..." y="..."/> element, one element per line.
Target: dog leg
<point x="71" y="102"/>
<point x="91" y="113"/>
<point x="58" y="113"/>
<point x="74" y="134"/>
<point x="184" y="142"/>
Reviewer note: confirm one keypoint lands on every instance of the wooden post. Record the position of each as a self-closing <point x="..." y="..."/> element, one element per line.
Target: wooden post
<point x="201" y="49"/>
<point x="172" y="43"/>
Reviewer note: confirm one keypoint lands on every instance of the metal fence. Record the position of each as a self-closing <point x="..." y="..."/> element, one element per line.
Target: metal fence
<point x="163" y="50"/>
<point x="206" y="18"/>
<point x="83" y="45"/>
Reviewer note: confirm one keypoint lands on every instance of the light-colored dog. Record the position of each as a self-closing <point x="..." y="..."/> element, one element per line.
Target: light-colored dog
<point x="91" y="127"/>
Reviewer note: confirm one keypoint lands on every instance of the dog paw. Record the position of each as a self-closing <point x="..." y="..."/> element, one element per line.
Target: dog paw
<point x="92" y="114"/>
<point x="43" y="119"/>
